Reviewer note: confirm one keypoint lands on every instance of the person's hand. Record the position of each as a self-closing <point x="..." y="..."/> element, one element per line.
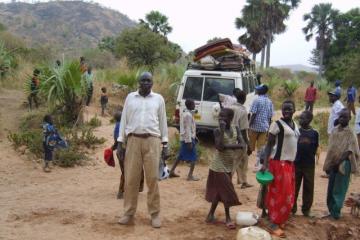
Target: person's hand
<point x="120" y="151"/>
<point x="165" y="152"/>
<point x="263" y="168"/>
<point x="249" y="150"/>
<point x="114" y="146"/>
<point x="189" y="146"/>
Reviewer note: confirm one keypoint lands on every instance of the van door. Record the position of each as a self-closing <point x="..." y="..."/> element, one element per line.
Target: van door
<point x="212" y="86"/>
<point x="193" y="90"/>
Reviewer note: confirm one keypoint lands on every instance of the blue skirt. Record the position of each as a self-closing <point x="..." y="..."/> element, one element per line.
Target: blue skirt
<point x="187" y="155"/>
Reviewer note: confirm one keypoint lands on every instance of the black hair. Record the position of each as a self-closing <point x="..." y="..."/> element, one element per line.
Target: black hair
<point x="117" y="116"/>
<point x="240" y="95"/>
<point x="309" y="115"/>
<point x="188" y="102"/>
<point x="229" y="112"/>
<point x="263" y="90"/>
<point x="103" y="89"/>
<point x="58" y="62"/>
<point x="47" y="118"/>
<point x="82" y="59"/>
<point x="89" y="68"/>
<point x="288" y="102"/>
<point x="36" y="71"/>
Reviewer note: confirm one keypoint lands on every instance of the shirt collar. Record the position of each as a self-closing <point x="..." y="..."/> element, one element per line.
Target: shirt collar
<point x="138" y="94"/>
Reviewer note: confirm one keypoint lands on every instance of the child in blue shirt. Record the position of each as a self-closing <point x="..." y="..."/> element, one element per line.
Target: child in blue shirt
<point x="49" y="141"/>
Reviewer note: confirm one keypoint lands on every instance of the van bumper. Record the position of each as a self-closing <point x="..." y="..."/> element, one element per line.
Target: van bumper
<point x="199" y="128"/>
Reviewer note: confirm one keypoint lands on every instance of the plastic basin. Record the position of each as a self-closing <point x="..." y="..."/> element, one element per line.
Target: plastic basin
<point x="264" y="178"/>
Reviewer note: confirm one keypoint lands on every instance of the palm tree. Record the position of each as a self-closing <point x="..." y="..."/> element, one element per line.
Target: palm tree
<point x="254" y="38"/>
<point x="320" y="22"/>
<point x="64" y="88"/>
<point x="156" y="22"/>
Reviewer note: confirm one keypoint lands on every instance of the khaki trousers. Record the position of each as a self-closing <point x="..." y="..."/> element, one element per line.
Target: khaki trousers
<point x="257" y="139"/>
<point x="241" y="170"/>
<point x="142" y="153"/>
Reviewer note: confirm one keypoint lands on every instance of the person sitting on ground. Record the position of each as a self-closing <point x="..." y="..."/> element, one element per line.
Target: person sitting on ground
<point x="188" y="141"/>
<point x="341" y="160"/>
<point x="89" y="79"/>
<point x="120" y="195"/>
<point x="103" y="100"/>
<point x="305" y="162"/>
<point x="219" y="187"/>
<point x="278" y="157"/>
<point x="241" y="123"/>
<point x="34" y="88"/>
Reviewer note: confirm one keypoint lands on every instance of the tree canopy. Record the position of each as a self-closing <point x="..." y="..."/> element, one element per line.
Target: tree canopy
<point x="156" y="22"/>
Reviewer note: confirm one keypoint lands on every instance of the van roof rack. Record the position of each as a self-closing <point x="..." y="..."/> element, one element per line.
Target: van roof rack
<point x="219" y="67"/>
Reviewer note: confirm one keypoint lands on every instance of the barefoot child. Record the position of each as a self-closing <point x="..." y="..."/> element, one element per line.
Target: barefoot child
<point x="49" y="141"/>
<point x="305" y="162"/>
<point x="342" y="159"/>
<point x="187" y="138"/>
<point x="279" y="156"/>
<point x="103" y="100"/>
<point x="219" y="187"/>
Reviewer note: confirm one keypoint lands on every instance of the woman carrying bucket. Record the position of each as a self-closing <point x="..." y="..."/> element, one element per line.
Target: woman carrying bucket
<point x="278" y="158"/>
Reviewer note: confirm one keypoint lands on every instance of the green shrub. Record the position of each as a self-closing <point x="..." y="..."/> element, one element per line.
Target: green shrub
<point x="290" y="86"/>
<point x="323" y="85"/>
<point x="69" y="157"/>
<point x="128" y="79"/>
<point x="94" y="122"/>
<point x="32" y="139"/>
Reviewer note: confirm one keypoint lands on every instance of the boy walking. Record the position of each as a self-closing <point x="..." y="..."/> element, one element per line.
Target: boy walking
<point x="188" y="142"/>
<point x="34" y="88"/>
<point x="342" y="159"/>
<point x="305" y="162"/>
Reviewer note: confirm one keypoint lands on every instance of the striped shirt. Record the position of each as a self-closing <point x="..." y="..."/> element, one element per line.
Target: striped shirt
<point x="262" y="108"/>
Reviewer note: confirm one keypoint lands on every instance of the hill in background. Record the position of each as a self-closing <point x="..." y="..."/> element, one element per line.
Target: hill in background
<point x="297" y="68"/>
<point x="64" y="25"/>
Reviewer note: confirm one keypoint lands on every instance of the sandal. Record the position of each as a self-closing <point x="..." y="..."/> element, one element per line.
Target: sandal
<point x="230" y="225"/>
<point x="273" y="229"/>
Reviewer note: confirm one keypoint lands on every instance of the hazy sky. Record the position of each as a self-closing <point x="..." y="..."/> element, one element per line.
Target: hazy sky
<point x="196" y="21"/>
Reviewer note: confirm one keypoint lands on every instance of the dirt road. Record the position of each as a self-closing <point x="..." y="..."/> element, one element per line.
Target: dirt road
<point x="80" y="202"/>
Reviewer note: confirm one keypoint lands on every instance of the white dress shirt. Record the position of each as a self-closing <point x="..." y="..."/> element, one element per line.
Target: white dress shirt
<point x="187" y="127"/>
<point x="357" y="122"/>
<point x="144" y="115"/>
<point x="334" y="114"/>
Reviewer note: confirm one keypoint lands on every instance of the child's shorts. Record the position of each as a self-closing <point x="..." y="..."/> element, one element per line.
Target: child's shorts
<point x="48" y="152"/>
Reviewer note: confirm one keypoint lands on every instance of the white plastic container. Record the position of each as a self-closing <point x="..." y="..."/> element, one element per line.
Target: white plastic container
<point x="253" y="233"/>
<point x="246" y="218"/>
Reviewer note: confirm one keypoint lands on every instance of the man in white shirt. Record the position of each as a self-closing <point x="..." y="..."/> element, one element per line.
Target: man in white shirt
<point x="336" y="108"/>
<point x="143" y="127"/>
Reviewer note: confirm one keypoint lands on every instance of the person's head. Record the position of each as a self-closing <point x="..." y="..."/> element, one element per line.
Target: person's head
<point x="262" y="89"/>
<point x="117" y="116"/>
<point x="288" y="109"/>
<point x="89" y="70"/>
<point x="48" y="119"/>
<point x="344" y="117"/>
<point x="240" y="95"/>
<point x="82" y="59"/>
<point x="351" y="84"/>
<point x="305" y="119"/>
<point x="103" y="89"/>
<point x="145" y="83"/>
<point x="190" y="104"/>
<point x="333" y="96"/>
<point x="58" y="63"/>
<point x="258" y="78"/>
<point x="337" y="83"/>
<point x="36" y="72"/>
<point x="312" y="83"/>
<point x="225" y="116"/>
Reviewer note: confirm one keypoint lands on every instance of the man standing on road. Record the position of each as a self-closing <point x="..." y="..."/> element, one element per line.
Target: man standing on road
<point x="143" y="127"/>
<point x="337" y="106"/>
<point x="310" y="97"/>
<point x="261" y="113"/>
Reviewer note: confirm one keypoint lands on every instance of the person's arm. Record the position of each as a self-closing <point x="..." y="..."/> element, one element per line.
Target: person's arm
<point x="219" y="138"/>
<point x="253" y="111"/>
<point x="316" y="144"/>
<point x="267" y="151"/>
<point x="163" y="122"/>
<point x="345" y="156"/>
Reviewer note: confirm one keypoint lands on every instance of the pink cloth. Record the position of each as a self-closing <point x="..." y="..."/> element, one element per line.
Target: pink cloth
<point x="310" y="94"/>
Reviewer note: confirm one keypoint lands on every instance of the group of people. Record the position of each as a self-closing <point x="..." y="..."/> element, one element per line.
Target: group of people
<point x="284" y="149"/>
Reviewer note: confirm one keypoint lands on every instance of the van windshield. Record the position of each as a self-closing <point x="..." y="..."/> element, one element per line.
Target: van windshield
<point x="213" y="86"/>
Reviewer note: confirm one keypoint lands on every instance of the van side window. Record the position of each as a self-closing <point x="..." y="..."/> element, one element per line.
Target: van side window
<point x="193" y="88"/>
<point x="213" y="86"/>
<point x="245" y="84"/>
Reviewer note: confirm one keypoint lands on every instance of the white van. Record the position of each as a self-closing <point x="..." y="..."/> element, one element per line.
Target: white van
<point x="203" y="87"/>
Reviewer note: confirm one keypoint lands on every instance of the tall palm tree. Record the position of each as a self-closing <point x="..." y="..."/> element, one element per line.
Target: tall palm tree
<point x="320" y="23"/>
<point x="254" y="38"/>
<point x="157" y="22"/>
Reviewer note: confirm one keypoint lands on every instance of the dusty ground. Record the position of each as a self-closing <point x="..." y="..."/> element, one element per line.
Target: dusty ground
<point x="80" y="202"/>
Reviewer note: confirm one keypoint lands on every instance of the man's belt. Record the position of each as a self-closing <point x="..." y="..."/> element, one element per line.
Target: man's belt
<point x="140" y="135"/>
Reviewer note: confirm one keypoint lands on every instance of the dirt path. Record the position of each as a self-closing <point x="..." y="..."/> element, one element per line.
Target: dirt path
<point x="80" y="203"/>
